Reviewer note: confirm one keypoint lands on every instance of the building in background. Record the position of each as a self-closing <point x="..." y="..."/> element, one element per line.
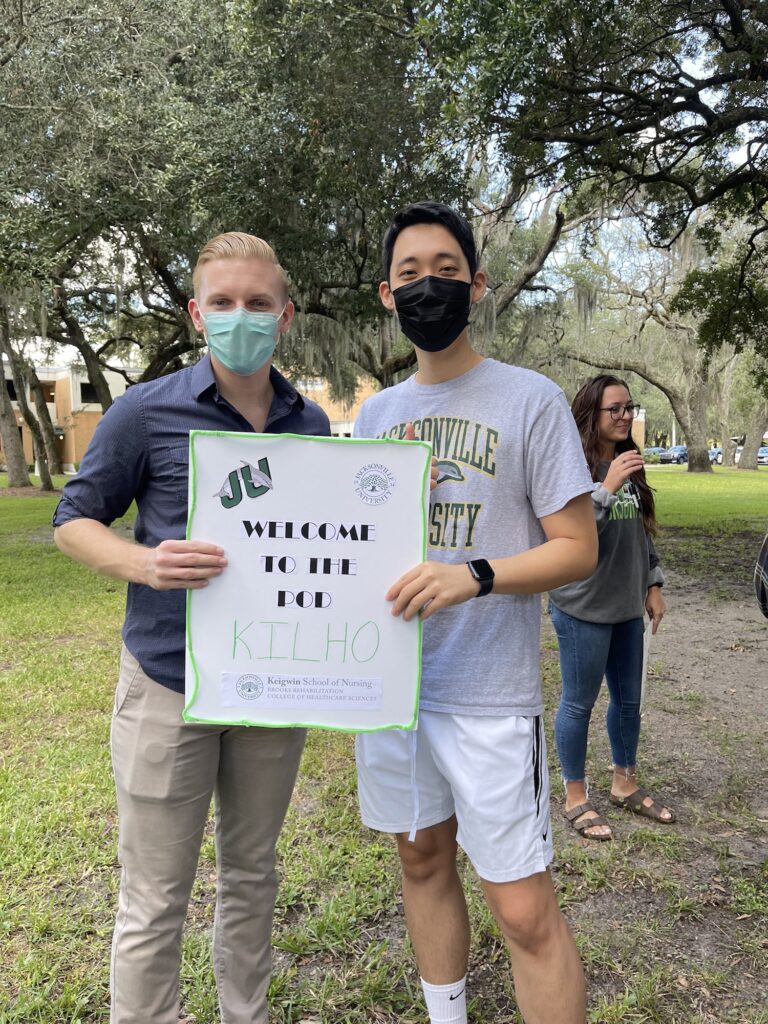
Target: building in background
<point x="638" y="429"/>
<point x="341" y="414"/>
<point x="75" y="410"/>
<point x="73" y="407"/>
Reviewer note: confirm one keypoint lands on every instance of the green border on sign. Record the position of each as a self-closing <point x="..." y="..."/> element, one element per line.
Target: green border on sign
<point x="190" y="516"/>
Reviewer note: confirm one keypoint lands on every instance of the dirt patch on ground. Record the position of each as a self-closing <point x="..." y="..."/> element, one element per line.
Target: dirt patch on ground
<point x="712" y="687"/>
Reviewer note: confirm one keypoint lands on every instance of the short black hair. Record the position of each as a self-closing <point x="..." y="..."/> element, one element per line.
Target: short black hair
<point x="429" y="213"/>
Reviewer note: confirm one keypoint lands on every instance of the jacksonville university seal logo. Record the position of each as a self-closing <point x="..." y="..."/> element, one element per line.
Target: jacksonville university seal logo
<point x="249" y="686"/>
<point x="374" y="483"/>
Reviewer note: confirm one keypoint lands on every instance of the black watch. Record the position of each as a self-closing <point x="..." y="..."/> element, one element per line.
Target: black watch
<point x="482" y="572"/>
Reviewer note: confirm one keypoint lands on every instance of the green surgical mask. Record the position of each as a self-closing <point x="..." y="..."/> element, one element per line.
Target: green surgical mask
<point x="240" y="340"/>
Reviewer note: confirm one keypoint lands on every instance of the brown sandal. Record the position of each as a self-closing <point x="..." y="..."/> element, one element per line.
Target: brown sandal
<point x="634" y="803"/>
<point x="582" y="826"/>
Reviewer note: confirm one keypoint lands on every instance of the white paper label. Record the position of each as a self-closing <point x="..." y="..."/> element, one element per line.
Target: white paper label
<point x="265" y="690"/>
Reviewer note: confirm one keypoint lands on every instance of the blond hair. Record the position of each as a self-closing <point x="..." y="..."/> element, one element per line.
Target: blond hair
<point x="237" y="245"/>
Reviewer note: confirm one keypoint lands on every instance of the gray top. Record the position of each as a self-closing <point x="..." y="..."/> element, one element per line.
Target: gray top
<point x="509" y="454"/>
<point x="627" y="564"/>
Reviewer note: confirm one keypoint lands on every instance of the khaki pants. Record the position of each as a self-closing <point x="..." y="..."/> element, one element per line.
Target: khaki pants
<point x="165" y="773"/>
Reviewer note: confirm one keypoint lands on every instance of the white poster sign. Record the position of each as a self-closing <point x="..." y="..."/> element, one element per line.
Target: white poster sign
<point x="296" y="630"/>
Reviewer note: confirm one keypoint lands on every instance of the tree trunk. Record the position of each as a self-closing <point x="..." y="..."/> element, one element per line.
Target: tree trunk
<point x="755" y="430"/>
<point x="695" y="429"/>
<point x="15" y="460"/>
<point x="158" y="365"/>
<point x="95" y="373"/>
<point x="44" y="418"/>
<point x="725" y="389"/>
<point x="19" y="383"/>
<point x="729" y="452"/>
<point x="73" y="335"/>
<point x="698" y="458"/>
<point x="695" y="432"/>
<point x="507" y="293"/>
<point x="41" y="459"/>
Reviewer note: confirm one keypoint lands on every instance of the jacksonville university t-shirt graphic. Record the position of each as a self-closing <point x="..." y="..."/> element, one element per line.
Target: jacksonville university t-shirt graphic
<point x="627" y="505"/>
<point x="464" y="447"/>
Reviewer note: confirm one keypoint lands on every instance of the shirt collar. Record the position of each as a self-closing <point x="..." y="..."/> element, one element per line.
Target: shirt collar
<point x="202" y="377"/>
<point x="203" y="380"/>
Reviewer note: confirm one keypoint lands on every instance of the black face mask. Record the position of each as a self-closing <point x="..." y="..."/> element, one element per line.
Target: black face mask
<point x="433" y="311"/>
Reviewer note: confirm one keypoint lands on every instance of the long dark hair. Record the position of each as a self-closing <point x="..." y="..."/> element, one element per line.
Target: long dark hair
<point x="586" y="409"/>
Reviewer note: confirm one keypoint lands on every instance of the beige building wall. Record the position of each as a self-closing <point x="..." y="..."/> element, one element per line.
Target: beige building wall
<point x="74" y="417"/>
<point x="342" y="415"/>
<point x="638" y="430"/>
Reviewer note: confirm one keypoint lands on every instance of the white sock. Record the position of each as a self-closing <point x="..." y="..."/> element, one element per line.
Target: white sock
<point x="446" y="1004"/>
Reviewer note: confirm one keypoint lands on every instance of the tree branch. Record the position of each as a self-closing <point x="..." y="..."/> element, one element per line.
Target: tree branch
<point x="507" y="293"/>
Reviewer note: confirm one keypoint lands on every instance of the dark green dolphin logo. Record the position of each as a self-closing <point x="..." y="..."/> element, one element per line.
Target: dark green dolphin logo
<point x="248" y="478"/>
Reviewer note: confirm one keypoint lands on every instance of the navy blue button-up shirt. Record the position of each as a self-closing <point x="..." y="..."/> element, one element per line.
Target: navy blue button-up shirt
<point x="140" y="451"/>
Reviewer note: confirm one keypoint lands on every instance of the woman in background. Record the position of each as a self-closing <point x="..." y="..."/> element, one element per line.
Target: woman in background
<point x="599" y="621"/>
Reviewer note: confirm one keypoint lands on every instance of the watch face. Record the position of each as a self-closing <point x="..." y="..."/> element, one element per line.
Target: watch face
<point x="483" y="574"/>
<point x="481" y="570"/>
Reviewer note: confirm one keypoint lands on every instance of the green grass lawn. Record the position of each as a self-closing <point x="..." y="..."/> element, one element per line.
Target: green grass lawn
<point x="710" y="522"/>
<point x="58" y="629"/>
<point x="340" y="954"/>
<point x="723" y="500"/>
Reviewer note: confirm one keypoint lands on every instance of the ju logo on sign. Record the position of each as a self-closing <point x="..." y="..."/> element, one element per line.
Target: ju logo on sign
<point x="248" y="478"/>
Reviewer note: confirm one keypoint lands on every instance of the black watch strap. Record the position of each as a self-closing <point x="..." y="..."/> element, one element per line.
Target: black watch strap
<point x="481" y="571"/>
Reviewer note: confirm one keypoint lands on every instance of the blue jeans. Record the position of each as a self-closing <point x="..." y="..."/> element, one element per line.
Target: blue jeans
<point x="589" y="651"/>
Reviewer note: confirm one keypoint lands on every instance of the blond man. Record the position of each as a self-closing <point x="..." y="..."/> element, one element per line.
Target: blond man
<point x="166" y="771"/>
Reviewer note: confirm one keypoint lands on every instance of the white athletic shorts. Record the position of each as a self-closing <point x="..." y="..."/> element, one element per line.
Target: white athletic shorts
<point x="490" y="772"/>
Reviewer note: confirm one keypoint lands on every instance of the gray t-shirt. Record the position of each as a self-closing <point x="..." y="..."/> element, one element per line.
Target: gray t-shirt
<point x="508" y="453"/>
<point x="627" y="563"/>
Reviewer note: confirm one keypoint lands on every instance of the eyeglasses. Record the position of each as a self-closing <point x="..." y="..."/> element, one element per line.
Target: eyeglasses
<point x="618" y="412"/>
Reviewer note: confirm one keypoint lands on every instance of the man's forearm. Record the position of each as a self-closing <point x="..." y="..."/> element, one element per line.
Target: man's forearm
<point x="543" y="568"/>
<point x="569" y="553"/>
<point x="173" y="564"/>
<point x="101" y="549"/>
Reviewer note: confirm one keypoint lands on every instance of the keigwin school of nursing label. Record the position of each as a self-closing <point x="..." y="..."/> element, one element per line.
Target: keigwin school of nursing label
<point x="283" y="691"/>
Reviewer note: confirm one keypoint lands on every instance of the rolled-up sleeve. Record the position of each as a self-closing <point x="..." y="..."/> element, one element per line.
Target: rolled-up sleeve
<point x="113" y="468"/>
